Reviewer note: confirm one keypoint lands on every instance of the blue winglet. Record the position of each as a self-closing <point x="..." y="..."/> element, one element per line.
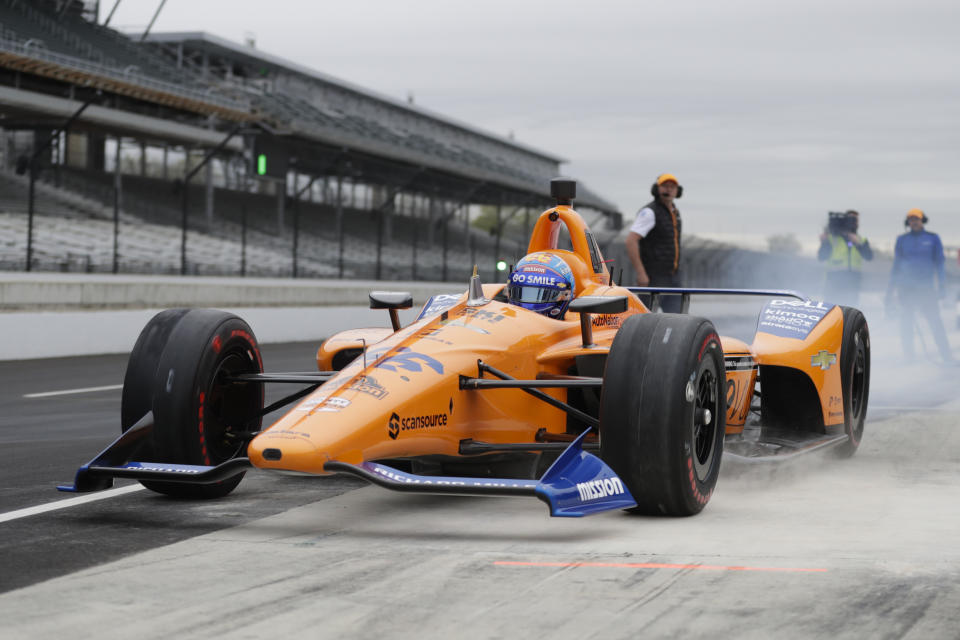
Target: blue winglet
<point x="580" y="484"/>
<point x="117" y="452"/>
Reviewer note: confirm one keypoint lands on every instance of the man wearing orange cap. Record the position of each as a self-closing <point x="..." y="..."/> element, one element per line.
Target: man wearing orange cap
<point x="917" y="279"/>
<point x="653" y="243"/>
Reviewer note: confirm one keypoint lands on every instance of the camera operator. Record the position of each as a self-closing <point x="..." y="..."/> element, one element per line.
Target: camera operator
<point x="844" y="252"/>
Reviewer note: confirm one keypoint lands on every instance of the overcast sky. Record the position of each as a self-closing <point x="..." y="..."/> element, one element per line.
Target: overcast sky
<point x="770" y="113"/>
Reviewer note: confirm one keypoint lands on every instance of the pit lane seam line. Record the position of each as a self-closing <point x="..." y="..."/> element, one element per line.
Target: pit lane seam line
<point x="69" y="502"/>
<point x="657" y="565"/>
<point x="47" y="394"/>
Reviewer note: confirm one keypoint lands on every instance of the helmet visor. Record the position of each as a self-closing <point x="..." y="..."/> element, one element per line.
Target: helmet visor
<point x="519" y="293"/>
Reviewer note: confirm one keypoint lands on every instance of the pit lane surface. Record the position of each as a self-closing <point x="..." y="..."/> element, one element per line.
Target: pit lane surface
<point x="858" y="548"/>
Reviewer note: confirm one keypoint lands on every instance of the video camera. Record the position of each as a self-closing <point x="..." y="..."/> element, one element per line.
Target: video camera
<point x="841" y="223"/>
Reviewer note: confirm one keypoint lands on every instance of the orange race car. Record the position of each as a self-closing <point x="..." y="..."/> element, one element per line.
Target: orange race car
<point x="558" y="384"/>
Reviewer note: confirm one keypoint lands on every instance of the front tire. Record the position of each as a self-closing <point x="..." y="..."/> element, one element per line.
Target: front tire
<point x="199" y="417"/>
<point x="663" y="412"/>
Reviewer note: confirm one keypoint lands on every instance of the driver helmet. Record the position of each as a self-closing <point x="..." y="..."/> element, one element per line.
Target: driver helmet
<point x="542" y="282"/>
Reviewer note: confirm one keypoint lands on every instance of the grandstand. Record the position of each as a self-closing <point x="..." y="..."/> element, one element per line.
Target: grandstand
<point x="187" y="153"/>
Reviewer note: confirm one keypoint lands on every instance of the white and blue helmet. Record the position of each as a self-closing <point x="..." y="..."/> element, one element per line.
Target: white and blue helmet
<point x="542" y="282"/>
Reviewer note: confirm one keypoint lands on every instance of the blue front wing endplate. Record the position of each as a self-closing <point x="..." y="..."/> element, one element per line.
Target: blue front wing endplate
<point x="576" y="484"/>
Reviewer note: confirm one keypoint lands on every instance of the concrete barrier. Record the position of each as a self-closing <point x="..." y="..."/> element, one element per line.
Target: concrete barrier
<point x="74" y="291"/>
<point x="46" y="315"/>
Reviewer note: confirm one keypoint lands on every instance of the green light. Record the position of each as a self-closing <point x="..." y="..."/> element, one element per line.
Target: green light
<point x="262" y="164"/>
<point x="501" y="266"/>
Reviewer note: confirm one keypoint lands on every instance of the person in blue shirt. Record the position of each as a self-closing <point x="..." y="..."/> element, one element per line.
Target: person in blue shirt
<point x="917" y="279"/>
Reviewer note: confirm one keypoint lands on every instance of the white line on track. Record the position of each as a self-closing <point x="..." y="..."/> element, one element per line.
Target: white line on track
<point x="909" y="408"/>
<point x="46" y="394"/>
<point x="69" y="502"/>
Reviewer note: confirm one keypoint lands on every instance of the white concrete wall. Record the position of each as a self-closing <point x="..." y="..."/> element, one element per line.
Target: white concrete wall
<point x="64" y="291"/>
<point x="53" y="315"/>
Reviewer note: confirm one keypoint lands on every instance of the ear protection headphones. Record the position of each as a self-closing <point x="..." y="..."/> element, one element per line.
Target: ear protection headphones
<point x="906" y="221"/>
<point x="655" y="190"/>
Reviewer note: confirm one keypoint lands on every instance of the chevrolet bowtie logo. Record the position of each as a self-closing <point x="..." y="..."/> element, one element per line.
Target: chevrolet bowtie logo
<point x="823" y="360"/>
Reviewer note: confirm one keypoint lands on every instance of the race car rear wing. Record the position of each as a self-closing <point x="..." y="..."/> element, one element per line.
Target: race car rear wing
<point x="685" y="292"/>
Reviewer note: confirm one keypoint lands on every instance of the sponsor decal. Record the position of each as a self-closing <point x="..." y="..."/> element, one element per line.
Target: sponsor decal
<point x="532" y="268"/>
<point x="396" y="424"/>
<point x="807" y="304"/>
<point x="738" y="397"/>
<point x="408" y="360"/>
<point x="544" y="258"/>
<point x="399" y="476"/>
<point x="393" y="426"/>
<point x="369" y="386"/>
<point x="461" y="323"/>
<point x="541" y="280"/>
<point x="284" y="434"/>
<point x="433" y="332"/>
<point x="242" y="334"/>
<point x="556" y="263"/>
<point x="423" y="422"/>
<point x="480" y="314"/>
<point x="148" y="467"/>
<point x="437" y="304"/>
<point x="334" y="404"/>
<point x="606" y="321"/>
<point x="310" y="404"/>
<point x="835" y="414"/>
<point x="792" y="318"/>
<point x="596" y="489"/>
<point x="739" y="363"/>
<point x="835" y="401"/>
<point x="823" y="359"/>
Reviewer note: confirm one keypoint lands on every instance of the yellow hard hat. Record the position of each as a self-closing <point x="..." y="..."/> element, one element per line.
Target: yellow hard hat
<point x="916" y="213"/>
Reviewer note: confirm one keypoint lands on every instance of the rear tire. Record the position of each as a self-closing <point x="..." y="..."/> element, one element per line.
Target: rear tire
<point x="854" y="378"/>
<point x="663" y="412"/>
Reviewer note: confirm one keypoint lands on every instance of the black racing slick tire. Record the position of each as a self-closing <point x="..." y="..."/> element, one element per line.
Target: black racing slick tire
<point x="663" y="411"/>
<point x="199" y="417"/>
<point x="854" y="378"/>
<point x="137" y="397"/>
<point x="136" y="400"/>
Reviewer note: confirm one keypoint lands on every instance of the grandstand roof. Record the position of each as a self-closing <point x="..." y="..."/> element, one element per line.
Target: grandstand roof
<point x="299" y="101"/>
<point x="215" y="44"/>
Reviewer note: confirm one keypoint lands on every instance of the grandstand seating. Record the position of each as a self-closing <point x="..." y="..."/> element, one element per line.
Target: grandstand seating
<point x="300" y="113"/>
<point x="76" y="37"/>
<point x="68" y="47"/>
<point x="74" y="208"/>
<point x="74" y="232"/>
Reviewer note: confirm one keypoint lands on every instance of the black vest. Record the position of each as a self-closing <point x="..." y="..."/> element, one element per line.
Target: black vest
<point x="660" y="248"/>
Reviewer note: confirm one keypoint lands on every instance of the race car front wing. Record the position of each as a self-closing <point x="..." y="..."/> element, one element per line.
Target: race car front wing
<point x="577" y="484"/>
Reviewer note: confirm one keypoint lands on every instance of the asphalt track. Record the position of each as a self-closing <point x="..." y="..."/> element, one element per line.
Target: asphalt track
<point x="819" y="547"/>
